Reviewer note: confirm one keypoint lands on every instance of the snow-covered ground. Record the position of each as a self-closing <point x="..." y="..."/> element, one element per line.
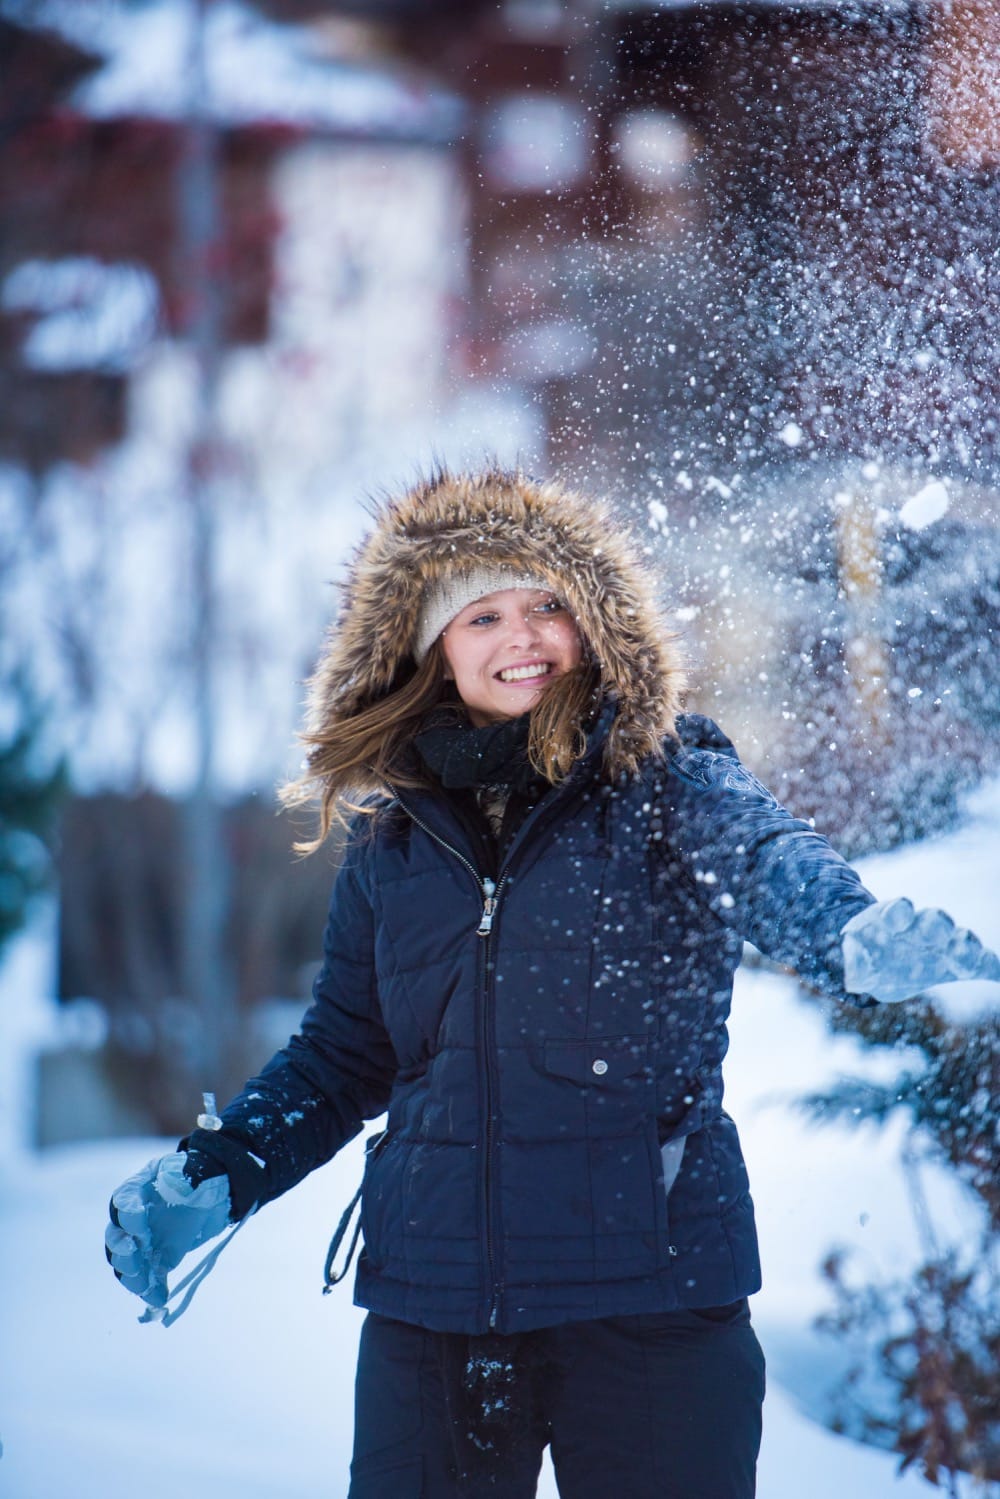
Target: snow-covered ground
<point x="249" y="1395"/>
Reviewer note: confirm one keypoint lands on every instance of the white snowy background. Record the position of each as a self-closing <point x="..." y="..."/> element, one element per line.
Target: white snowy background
<point x="250" y="1394"/>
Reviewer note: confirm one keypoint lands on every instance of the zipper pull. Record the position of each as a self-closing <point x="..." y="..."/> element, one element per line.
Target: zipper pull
<point x="489" y="909"/>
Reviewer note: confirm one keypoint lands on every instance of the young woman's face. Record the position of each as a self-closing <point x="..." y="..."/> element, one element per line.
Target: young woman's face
<point x="505" y="648"/>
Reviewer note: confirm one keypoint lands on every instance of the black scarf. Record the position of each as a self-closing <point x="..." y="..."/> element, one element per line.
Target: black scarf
<point x="463" y="757"/>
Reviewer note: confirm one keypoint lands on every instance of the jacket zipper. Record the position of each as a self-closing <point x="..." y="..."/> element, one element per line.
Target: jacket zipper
<point x="492" y="1093"/>
<point x="491" y="891"/>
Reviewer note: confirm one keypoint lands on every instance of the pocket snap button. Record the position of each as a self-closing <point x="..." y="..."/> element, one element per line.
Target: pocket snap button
<point x="600" y="1067"/>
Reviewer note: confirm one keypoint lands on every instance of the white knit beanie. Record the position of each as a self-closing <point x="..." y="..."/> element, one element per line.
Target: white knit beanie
<point x="446" y="599"/>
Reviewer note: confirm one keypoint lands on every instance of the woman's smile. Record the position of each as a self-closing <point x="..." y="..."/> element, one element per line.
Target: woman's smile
<point x="532" y="671"/>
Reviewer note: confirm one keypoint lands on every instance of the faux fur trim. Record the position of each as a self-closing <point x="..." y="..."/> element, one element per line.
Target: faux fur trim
<point x="450" y="522"/>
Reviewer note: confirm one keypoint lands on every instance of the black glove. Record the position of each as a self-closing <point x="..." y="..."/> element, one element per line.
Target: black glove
<point x="212" y="1153"/>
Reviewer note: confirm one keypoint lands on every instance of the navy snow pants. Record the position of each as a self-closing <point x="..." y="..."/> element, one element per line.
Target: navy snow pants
<point x="665" y="1405"/>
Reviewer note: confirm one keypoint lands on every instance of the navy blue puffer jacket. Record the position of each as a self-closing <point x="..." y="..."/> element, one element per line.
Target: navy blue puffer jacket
<point x="536" y="1043"/>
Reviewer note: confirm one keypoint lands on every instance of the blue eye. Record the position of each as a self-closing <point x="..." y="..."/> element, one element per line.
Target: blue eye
<point x="483" y="619"/>
<point x="549" y="606"/>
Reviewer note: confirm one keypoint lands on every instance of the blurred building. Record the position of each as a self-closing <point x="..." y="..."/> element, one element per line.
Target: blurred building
<point x="775" y="218"/>
<point x="96" y="264"/>
<point x="231" y="267"/>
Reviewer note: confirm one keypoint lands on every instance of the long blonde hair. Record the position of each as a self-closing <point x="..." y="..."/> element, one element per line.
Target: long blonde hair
<point x="374" y="744"/>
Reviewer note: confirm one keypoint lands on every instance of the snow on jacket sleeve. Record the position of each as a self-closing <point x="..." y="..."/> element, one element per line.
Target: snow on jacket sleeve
<point x="314" y="1094"/>
<point x="766" y="874"/>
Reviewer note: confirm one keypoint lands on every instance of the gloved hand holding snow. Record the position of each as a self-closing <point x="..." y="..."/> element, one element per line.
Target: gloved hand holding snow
<point x="157" y="1217"/>
<point x="892" y="951"/>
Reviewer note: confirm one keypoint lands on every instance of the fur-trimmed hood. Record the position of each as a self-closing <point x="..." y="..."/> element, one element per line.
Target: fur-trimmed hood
<point x="452" y="522"/>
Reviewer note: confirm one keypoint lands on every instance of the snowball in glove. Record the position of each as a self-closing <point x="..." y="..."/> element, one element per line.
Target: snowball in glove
<point x="157" y="1217"/>
<point x="892" y="951"/>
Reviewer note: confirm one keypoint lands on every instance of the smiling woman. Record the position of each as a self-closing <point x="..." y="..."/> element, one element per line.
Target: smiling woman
<point x="528" y="963"/>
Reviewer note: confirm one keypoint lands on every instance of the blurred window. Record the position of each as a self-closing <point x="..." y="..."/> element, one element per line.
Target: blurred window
<point x="536" y="142"/>
<point x="655" y="149"/>
<point x="534" y="18"/>
<point x="81" y="313"/>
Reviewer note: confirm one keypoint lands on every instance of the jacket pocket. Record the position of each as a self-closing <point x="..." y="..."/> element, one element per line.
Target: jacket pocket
<point x="607" y="1064"/>
<point x="671" y="1156"/>
<point x="606" y="1084"/>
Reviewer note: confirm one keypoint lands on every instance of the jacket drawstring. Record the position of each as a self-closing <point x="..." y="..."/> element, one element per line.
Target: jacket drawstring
<point x="330" y="1279"/>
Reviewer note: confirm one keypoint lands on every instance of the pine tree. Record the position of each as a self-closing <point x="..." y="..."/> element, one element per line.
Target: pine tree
<point x="924" y="1379"/>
